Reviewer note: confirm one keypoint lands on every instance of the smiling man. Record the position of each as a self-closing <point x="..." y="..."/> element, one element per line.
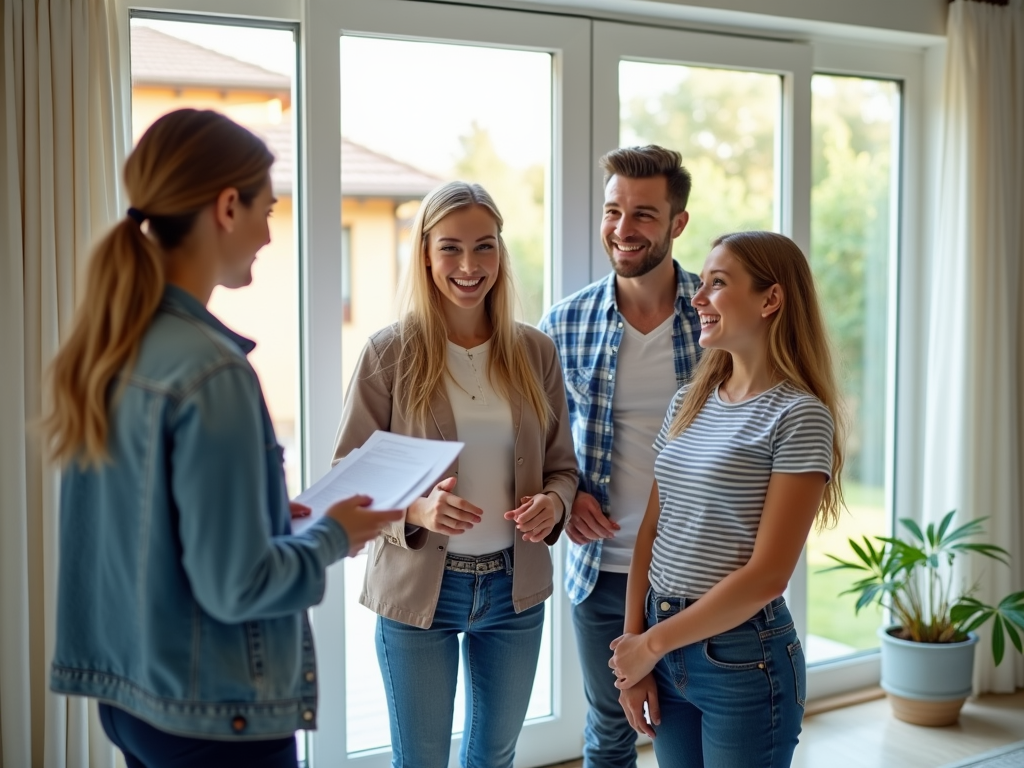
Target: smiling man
<point x="626" y="342"/>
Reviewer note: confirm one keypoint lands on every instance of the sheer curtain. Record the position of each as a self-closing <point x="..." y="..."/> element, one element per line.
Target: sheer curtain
<point x="62" y="140"/>
<point x="975" y="386"/>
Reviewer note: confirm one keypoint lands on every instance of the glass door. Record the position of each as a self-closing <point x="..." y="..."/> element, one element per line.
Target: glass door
<point x="425" y="94"/>
<point x="854" y="246"/>
<point x="738" y="111"/>
<point x="490" y="125"/>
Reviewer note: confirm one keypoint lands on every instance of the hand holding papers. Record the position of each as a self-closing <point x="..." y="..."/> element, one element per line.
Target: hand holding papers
<point x="391" y="469"/>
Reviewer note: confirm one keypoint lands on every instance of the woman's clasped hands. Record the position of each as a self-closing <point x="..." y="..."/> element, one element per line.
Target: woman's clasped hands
<point x="444" y="512"/>
<point x="631" y="663"/>
<point x="632" y="659"/>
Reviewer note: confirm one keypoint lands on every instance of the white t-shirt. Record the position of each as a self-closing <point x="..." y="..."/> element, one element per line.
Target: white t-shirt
<point x="713" y="479"/>
<point x="483" y="420"/>
<point x="645" y="380"/>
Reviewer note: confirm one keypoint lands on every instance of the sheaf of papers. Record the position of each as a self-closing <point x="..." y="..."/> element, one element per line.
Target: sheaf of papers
<point x="391" y="469"/>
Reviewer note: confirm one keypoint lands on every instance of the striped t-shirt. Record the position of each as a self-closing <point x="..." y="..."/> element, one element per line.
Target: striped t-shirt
<point x="713" y="479"/>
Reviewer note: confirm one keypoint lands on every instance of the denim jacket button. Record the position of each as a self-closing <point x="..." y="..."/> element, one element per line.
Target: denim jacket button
<point x="238" y="724"/>
<point x="665" y="605"/>
<point x="307" y="715"/>
<point x="310" y="677"/>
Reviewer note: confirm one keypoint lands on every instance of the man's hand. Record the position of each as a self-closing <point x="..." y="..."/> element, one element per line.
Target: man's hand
<point x="587" y="522"/>
<point x="632" y="702"/>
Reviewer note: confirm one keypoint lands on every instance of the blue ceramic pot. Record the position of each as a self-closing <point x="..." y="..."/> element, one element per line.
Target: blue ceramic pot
<point x="927" y="671"/>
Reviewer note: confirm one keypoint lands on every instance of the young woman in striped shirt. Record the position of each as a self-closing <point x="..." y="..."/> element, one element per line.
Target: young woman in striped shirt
<point x="749" y="457"/>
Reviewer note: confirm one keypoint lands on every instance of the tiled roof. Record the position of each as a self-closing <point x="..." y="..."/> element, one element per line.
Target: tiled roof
<point x="160" y="59"/>
<point x="364" y="173"/>
<point x="371" y="174"/>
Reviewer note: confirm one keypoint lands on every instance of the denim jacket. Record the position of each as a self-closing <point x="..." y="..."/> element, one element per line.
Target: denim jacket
<point x="182" y="593"/>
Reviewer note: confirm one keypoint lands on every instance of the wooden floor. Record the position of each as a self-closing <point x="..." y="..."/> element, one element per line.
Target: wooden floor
<point x="867" y="736"/>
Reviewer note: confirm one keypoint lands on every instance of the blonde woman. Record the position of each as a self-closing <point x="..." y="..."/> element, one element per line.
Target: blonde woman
<point x="748" y="458"/>
<point x="182" y="596"/>
<point x="472" y="557"/>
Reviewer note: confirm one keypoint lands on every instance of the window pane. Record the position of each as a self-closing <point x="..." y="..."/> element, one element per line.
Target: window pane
<point x="247" y="74"/>
<point x="400" y="139"/>
<point x="853" y="226"/>
<point x="726" y="125"/>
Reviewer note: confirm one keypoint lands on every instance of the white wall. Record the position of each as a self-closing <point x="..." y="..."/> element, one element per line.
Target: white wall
<point x="914" y="23"/>
<point x="917" y="16"/>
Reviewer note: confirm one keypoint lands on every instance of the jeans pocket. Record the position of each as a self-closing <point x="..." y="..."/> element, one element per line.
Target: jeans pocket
<point x="796" y="658"/>
<point x="739" y="648"/>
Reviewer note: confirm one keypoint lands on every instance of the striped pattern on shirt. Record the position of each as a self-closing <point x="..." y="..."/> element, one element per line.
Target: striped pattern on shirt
<point x="713" y="480"/>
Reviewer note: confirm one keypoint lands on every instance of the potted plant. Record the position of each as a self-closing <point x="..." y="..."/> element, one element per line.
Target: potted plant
<point x="928" y="650"/>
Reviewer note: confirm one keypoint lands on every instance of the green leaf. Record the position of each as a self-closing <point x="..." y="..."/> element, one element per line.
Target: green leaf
<point x="1016" y="597"/>
<point x="944" y="525"/>
<point x="963" y="611"/>
<point x="998" y="641"/>
<point x="876" y="554"/>
<point x="971" y="528"/>
<point x="1014" y="636"/>
<point x="866" y="598"/>
<point x="860" y="552"/>
<point x="843" y="565"/>
<point x="1013" y="615"/>
<point x="987" y="550"/>
<point x="913" y="527"/>
<point x="978" y="621"/>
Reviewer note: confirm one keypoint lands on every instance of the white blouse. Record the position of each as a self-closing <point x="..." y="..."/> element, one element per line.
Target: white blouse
<point x="483" y="420"/>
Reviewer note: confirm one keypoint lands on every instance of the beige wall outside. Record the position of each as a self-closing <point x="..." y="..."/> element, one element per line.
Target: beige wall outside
<point x="267" y="310"/>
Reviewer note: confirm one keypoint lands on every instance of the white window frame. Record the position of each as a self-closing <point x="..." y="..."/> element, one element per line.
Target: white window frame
<point x="906" y="306"/>
<point x="793" y="62"/>
<point x="544" y="740"/>
<point x="585" y="125"/>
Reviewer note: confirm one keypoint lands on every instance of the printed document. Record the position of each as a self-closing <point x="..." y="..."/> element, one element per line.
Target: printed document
<point x="391" y="469"/>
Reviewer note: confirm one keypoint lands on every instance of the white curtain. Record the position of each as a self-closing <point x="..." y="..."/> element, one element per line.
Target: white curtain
<point x="62" y="140"/>
<point x="975" y="385"/>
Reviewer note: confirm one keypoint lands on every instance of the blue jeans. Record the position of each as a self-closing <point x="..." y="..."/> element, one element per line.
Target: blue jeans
<point x="608" y="739"/>
<point x="147" y="747"/>
<point x="420" y="670"/>
<point x="735" y="700"/>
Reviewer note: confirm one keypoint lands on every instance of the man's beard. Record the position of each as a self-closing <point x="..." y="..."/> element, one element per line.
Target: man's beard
<point x="656" y="253"/>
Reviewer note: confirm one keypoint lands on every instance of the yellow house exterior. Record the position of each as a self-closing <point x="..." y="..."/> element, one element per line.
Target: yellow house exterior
<point x="380" y="197"/>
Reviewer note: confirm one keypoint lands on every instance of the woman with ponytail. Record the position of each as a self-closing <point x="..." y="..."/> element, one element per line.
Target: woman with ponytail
<point x="472" y="557"/>
<point x="182" y="593"/>
<point x="749" y="457"/>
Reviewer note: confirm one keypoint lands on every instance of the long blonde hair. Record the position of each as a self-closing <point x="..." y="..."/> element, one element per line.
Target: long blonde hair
<point x="798" y="347"/>
<point x="180" y="165"/>
<point x="423" y="331"/>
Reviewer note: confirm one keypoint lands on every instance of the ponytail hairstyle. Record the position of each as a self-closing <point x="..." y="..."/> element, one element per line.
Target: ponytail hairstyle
<point x="423" y="331"/>
<point x="180" y="165"/>
<point x="798" y="347"/>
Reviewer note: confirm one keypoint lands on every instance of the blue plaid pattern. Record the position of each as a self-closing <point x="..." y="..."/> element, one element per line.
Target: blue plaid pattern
<point x="587" y="330"/>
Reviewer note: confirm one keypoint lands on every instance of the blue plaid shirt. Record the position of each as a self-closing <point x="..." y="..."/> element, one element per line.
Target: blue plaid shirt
<point x="587" y="330"/>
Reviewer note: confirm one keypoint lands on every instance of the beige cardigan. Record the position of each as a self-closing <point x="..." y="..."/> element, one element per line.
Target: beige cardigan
<point x="403" y="572"/>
